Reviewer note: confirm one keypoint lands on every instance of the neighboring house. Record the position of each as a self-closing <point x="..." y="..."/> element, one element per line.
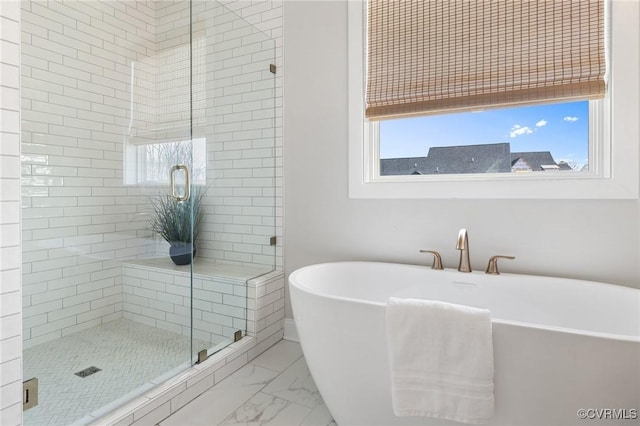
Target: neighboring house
<point x="486" y="158"/>
<point x="566" y="166"/>
<point x="536" y="161"/>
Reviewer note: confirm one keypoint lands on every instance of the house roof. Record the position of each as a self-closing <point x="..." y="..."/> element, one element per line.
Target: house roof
<point x="487" y="158"/>
<point x="403" y="166"/>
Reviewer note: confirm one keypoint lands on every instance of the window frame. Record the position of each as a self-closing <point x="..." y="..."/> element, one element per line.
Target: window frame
<point x="613" y="150"/>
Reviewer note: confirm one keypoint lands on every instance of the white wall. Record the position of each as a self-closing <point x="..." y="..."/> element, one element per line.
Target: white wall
<point x="10" y="273"/>
<point x="594" y="240"/>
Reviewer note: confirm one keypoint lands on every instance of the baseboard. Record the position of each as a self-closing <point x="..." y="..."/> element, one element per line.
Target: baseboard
<point x="290" y="330"/>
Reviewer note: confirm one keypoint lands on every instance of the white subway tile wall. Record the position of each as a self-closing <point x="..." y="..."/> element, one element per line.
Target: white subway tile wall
<point x="80" y="219"/>
<point x="10" y="306"/>
<point x="241" y="128"/>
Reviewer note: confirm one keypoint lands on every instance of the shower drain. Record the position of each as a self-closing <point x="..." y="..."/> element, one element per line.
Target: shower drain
<point x="87" y="372"/>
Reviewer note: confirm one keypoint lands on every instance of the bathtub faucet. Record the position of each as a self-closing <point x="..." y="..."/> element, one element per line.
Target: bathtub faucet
<point x="463" y="246"/>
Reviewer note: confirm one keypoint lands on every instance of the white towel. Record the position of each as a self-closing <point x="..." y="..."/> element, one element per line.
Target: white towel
<point x="441" y="358"/>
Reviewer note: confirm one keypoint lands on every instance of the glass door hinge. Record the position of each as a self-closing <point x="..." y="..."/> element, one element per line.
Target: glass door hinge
<point x="202" y="356"/>
<point x="29" y="393"/>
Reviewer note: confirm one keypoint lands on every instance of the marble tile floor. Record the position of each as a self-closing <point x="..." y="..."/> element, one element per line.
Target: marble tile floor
<point x="275" y="389"/>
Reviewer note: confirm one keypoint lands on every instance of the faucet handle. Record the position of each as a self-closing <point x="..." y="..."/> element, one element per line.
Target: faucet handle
<point x="492" y="266"/>
<point x="437" y="260"/>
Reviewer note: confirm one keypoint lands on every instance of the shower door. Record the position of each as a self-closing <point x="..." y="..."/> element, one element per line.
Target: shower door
<point x="234" y="114"/>
<point x="148" y="138"/>
<point x="112" y="179"/>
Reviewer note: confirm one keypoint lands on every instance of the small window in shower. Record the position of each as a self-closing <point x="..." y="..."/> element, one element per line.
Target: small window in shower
<point x="149" y="164"/>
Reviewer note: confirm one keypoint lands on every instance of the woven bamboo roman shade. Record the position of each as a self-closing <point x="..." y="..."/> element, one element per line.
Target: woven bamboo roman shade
<point x="430" y="56"/>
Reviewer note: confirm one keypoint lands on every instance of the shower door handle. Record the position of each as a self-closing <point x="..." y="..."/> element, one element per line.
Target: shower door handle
<point x="187" y="182"/>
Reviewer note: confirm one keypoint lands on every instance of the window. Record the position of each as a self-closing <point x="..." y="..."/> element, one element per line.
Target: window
<point x="550" y="137"/>
<point x="497" y="169"/>
<point x="167" y="115"/>
<point x="150" y="164"/>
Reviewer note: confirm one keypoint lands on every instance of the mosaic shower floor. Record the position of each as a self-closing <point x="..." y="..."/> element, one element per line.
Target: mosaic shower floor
<point x="129" y="355"/>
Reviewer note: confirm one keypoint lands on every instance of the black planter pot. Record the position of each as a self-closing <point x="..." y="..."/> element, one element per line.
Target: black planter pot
<point x="182" y="253"/>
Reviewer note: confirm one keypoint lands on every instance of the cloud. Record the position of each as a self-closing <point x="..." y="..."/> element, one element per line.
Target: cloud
<point x="570" y="119"/>
<point x="518" y="130"/>
<point x="541" y="123"/>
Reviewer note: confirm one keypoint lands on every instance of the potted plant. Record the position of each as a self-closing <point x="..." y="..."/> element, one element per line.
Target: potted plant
<point x="172" y="221"/>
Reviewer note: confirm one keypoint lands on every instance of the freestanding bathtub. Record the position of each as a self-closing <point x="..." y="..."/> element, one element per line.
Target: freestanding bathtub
<point x="565" y="351"/>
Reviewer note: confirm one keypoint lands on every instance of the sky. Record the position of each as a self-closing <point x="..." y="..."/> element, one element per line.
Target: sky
<point x="562" y="129"/>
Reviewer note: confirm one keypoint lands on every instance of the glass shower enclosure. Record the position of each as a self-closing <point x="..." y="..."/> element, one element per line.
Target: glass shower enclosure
<point x="148" y="166"/>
